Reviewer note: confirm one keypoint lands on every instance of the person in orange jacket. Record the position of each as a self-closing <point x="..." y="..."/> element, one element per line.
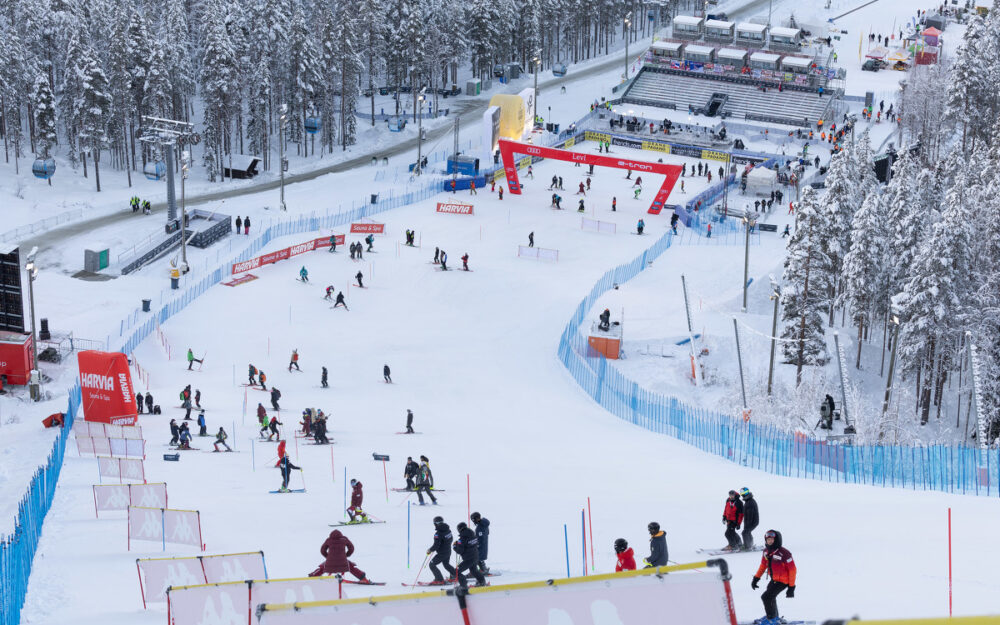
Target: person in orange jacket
<point x="780" y="567"/>
<point x="626" y="557"/>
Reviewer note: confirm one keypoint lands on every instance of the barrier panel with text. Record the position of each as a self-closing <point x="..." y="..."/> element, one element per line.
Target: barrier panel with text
<point x="156" y="575"/>
<point x="116" y="447"/>
<point x="164" y="525"/>
<point x="234" y="602"/>
<point x="288" y="252"/>
<point x="121" y="496"/>
<point x="455" y="208"/>
<point x="122" y="468"/>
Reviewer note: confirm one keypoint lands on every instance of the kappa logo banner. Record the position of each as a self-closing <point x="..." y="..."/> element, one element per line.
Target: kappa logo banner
<point x="106" y="386"/>
<point x="455" y="208"/>
<point x="364" y="228"/>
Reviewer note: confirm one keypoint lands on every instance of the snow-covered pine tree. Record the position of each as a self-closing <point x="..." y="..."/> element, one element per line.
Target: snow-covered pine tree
<point x="304" y="77"/>
<point x="259" y="94"/>
<point x="843" y="197"/>
<point x="44" y="110"/>
<point x="864" y="265"/>
<point x="219" y="79"/>
<point x="92" y="107"/>
<point x="157" y="92"/>
<point x="177" y="51"/>
<point x="372" y="34"/>
<point x="966" y="85"/>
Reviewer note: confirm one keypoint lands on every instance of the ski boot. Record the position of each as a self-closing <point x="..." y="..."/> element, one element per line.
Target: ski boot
<point x="283" y="490"/>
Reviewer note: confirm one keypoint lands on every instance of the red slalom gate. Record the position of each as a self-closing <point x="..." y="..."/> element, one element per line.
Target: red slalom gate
<point x="509" y="148"/>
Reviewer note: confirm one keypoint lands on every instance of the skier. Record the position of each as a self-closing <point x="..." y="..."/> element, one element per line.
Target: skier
<point x="750" y="517"/>
<point x="780" y="567"/>
<point x="614" y="204"/>
<point x="186" y="401"/>
<point x="333" y="243"/>
<point x="197" y="398"/>
<point x="353" y="248"/>
<point x="628" y="174"/>
<point x="357" y="498"/>
<point x="483" y="534"/>
<point x="307" y="422"/>
<point x="582" y="191"/>
<point x="425" y="481"/>
<point x="409" y="421"/>
<point x="441" y="548"/>
<point x="638" y="181"/>
<point x="657" y="546"/>
<point x="336" y="549"/>
<point x="294" y="360"/>
<point x="175" y="432"/>
<point x="322" y="379"/>
<point x="319" y="430"/>
<point x="360" y="278"/>
<point x="636" y="193"/>
<point x="467" y="548"/>
<point x="732" y="518"/>
<point x="370" y="240"/>
<point x="472" y="187"/>
<point x="273" y="426"/>
<point x="581" y="208"/>
<point x="386" y="374"/>
<point x="246" y="225"/>
<point x="340" y="301"/>
<point x="561" y="184"/>
<point x="275" y="396"/>
<point x="220" y="439"/>
<point x="500" y="191"/>
<point x="149" y="403"/>
<point x="673" y="222"/>
<point x="555" y="183"/>
<point x="626" y="557"/>
<point x="286" y="466"/>
<point x="203" y="427"/>
<point x="329" y="293"/>
<point x="410" y="472"/>
<point x="185" y="437"/>
<point x="531" y="239"/>
<point x="530" y="173"/>
<point x="138" y="402"/>
<point x="639" y="226"/>
<point x="304" y="274"/>
<point x="437" y="255"/>
<point x="253" y="376"/>
<point x="192" y="359"/>
<point x="444" y="261"/>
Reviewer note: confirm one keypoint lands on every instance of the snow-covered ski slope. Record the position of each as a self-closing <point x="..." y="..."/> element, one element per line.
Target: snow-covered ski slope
<point x="474" y="356"/>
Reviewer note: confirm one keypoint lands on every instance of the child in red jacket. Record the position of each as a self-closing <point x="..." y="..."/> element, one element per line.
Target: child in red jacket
<point x="626" y="557"/>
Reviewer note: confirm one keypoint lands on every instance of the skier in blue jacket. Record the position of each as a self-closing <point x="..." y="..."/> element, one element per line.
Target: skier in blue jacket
<point x="483" y="534"/>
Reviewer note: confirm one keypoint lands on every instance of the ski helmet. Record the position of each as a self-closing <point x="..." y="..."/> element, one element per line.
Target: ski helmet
<point x="745" y="492"/>
<point x="476" y="517"/>
<point x="653" y="527"/>
<point x="621" y="545"/>
<point x="353" y="482"/>
<point x="438" y="519"/>
<point x="461" y="526"/>
<point x="733" y="493"/>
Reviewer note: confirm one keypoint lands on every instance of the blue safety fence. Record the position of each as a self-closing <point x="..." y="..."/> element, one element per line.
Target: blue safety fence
<point x="953" y="469"/>
<point x="17" y="550"/>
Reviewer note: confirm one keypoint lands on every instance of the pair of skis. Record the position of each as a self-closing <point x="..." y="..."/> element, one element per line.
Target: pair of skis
<point x="726" y="552"/>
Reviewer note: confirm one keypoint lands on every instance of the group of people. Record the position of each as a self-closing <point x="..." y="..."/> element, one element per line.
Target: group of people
<point x="339" y="301"/>
<point x="244" y="223"/>
<point x="314" y="425"/>
<point x="138" y="204"/>
<point x="471" y="546"/>
<point x="418" y="476"/>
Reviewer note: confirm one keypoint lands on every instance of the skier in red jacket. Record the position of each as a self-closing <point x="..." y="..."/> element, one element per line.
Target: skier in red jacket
<point x="780" y="567"/>
<point x="732" y="517"/>
<point x="336" y="549"/>
<point x="357" y="498"/>
<point x="626" y="557"/>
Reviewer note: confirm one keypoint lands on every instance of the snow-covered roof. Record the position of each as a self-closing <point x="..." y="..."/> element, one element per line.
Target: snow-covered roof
<point x="731" y="53"/>
<point x="781" y="31"/>
<point x="761" y="175"/>
<point x="693" y="49"/>
<point x="764" y="57"/>
<point x="688" y="20"/>
<point x="748" y="27"/>
<point x="796" y="61"/>
<point x="673" y="46"/>
<point x="720" y="24"/>
<point x="240" y="161"/>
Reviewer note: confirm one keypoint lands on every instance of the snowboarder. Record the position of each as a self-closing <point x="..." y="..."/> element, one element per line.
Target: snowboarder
<point x="138" y="402"/>
<point x="386" y="374"/>
<point x="304" y="274"/>
<point x="273" y="426"/>
<point x="220" y="439"/>
<point x="441" y="548"/>
<point x="336" y="549"/>
<point x="322" y="379"/>
<point x="333" y="243"/>
<point x="203" y="427"/>
<point x="531" y="239"/>
<point x="294" y="360"/>
<point x="750" y="517"/>
<point x="409" y="421"/>
<point x="357" y="498"/>
<point x="465" y="262"/>
<point x="340" y="301"/>
<point x="657" y="546"/>
<point x="626" y="557"/>
<point x="780" y="567"/>
<point x="467" y="548"/>
<point x="639" y="226"/>
<point x="483" y="534"/>
<point x="246" y="225"/>
<point x="370" y="240"/>
<point x="410" y="472"/>
<point x="732" y="518"/>
<point x="425" y="481"/>
<point x="286" y="466"/>
<point x="360" y="278"/>
<point x="263" y="379"/>
<point x="175" y="432"/>
<point x="192" y="359"/>
<point x="253" y="376"/>
<point x="329" y="293"/>
<point x="275" y="396"/>
<point x="444" y="261"/>
<point x="149" y="403"/>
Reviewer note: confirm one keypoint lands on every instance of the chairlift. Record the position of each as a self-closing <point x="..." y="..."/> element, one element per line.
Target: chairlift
<point x="313" y="125"/>
<point x="155" y="170"/>
<point x="559" y="69"/>
<point x="44" y="168"/>
<point x="396" y="125"/>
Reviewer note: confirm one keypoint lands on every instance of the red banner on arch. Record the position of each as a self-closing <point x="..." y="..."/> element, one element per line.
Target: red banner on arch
<point x="509" y="148"/>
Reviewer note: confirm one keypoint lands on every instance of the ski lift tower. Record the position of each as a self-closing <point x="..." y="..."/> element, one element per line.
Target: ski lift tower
<point x="167" y="133"/>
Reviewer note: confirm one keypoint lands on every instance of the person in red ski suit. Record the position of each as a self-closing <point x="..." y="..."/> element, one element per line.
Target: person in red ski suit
<point x="626" y="557"/>
<point x="336" y="549"/>
<point x="732" y="517"/>
<point x="780" y="567"/>
<point x="357" y="498"/>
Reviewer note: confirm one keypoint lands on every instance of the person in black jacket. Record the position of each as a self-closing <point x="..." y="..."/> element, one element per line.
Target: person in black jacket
<point x="751" y="518"/>
<point x="410" y="472"/>
<point x="175" y="432"/>
<point x="385" y="374"/>
<point x="409" y="421"/>
<point x="275" y="396"/>
<point x="425" y="481"/>
<point x="149" y="403"/>
<point x="286" y="466"/>
<point x="322" y="379"/>
<point x="441" y="548"/>
<point x="467" y="548"/>
<point x="657" y="546"/>
<point x="319" y="431"/>
<point x="138" y="402"/>
<point x="483" y="534"/>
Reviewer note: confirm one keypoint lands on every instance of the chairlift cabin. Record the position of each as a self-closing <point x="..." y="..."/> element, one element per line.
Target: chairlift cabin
<point x="313" y="125"/>
<point x="396" y="125"/>
<point x="155" y="170"/>
<point x="44" y="168"/>
<point x="559" y="69"/>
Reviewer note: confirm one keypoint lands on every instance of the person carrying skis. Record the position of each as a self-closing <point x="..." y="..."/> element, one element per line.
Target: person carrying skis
<point x="657" y="546"/>
<point x="425" y="481"/>
<point x="202" y="426"/>
<point x="304" y="274"/>
<point x="465" y="262"/>
<point x="732" y="518"/>
<point x="263" y="380"/>
<point x="253" y="376"/>
<point x="273" y="426"/>
<point x="286" y="466"/>
<point x="336" y="549"/>
<point x="467" y="548"/>
<point x="441" y="548"/>
<point x="192" y="359"/>
<point x="409" y="421"/>
<point x="275" y="396"/>
<point x="370" y="240"/>
<point x="322" y="379"/>
<point x="360" y="278"/>
<point x="294" y="360"/>
<point x="483" y="534"/>
<point x="386" y="374"/>
<point x="175" y="432"/>
<point x="357" y="498"/>
<point x="411" y="471"/>
<point x="333" y="243"/>
<point x="780" y="567"/>
<point x="626" y="557"/>
<point x="750" y="517"/>
<point x="220" y="439"/>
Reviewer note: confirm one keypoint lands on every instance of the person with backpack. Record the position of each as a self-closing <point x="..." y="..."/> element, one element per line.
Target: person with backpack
<point x="252" y="380"/>
<point x="370" y="240"/>
<point x="263" y="380"/>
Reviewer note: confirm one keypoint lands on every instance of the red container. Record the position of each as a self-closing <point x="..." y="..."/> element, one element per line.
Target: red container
<point x="15" y="357"/>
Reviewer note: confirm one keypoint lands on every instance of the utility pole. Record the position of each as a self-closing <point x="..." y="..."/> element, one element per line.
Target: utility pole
<point x="739" y="359"/>
<point x="167" y="134"/>
<point x="282" y="165"/>
<point x="892" y="365"/>
<point x="184" y="174"/>
<point x="537" y="62"/>
<point x="36" y="376"/>
<point x="776" y="296"/>
<point x="628" y="22"/>
<point x="746" y="261"/>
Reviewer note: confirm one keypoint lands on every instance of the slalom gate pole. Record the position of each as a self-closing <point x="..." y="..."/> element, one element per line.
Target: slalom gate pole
<point x="590" y="522"/>
<point x="949" y="563"/>
<point x="333" y="469"/>
<point x="234" y="432"/>
<point x="566" y="541"/>
<point x="583" y="538"/>
<point x="468" y="500"/>
<point x="253" y="455"/>
<point x="302" y="473"/>
<point x="345" y="491"/>
<point x="385" y="476"/>
<point x="296" y="445"/>
<point x="408" y="502"/>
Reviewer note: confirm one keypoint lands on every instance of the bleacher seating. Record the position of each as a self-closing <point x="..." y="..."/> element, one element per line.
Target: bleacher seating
<point x="668" y="90"/>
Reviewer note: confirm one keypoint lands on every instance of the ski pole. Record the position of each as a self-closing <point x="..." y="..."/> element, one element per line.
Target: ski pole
<point x="426" y="558"/>
<point x="303" y="474"/>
